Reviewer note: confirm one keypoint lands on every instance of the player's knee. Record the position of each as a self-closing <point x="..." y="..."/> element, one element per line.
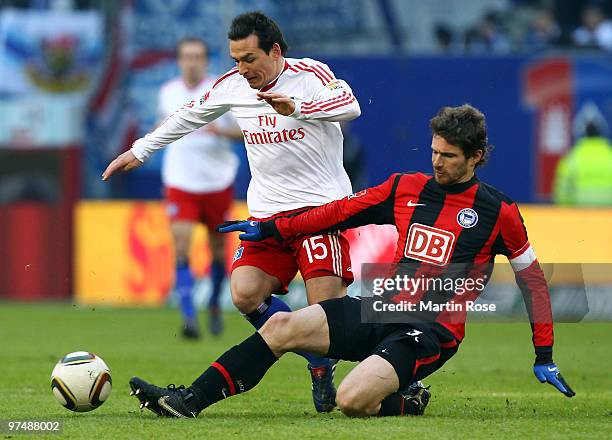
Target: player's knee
<point x="247" y="297"/>
<point x="277" y="332"/>
<point x="351" y="403"/>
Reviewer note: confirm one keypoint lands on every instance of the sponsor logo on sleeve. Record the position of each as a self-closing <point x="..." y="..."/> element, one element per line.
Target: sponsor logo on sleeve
<point x="334" y="85"/>
<point x="358" y="194"/>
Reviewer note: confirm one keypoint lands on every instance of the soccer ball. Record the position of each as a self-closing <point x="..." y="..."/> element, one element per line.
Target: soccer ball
<point x="81" y="381"/>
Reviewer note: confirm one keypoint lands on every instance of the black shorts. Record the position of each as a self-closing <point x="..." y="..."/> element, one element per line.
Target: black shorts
<point x="414" y="351"/>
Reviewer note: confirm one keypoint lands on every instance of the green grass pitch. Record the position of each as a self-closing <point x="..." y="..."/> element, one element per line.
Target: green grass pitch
<point x="486" y="391"/>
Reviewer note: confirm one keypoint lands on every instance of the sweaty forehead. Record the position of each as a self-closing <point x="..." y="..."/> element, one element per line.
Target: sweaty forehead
<point x="240" y="48"/>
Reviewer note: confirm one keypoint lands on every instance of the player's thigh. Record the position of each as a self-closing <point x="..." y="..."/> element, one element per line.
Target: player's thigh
<point x="303" y="330"/>
<point x="326" y="287"/>
<point x="362" y="390"/>
<point x="182" y="231"/>
<point x="251" y="286"/>
<point x="271" y="258"/>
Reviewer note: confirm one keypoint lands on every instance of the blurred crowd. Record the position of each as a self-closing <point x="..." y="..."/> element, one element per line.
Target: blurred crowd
<point x="525" y="26"/>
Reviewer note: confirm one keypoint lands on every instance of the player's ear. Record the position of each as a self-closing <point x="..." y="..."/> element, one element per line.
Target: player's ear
<point x="476" y="157"/>
<point x="276" y="51"/>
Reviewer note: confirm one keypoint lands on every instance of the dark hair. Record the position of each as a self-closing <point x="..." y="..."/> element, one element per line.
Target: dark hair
<point x="265" y="28"/>
<point x="464" y="127"/>
<point x="188" y="40"/>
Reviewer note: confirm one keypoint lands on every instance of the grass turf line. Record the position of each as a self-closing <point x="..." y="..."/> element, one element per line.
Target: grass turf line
<point x="487" y="390"/>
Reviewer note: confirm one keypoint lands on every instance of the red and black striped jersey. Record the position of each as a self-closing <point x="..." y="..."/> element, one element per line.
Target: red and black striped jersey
<point x="439" y="225"/>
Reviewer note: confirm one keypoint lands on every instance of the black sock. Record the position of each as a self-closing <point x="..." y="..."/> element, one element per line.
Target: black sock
<point x="238" y="370"/>
<point x="392" y="405"/>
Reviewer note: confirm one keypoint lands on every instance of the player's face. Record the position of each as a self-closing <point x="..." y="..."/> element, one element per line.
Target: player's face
<point x="254" y="64"/>
<point x="192" y="60"/>
<point x="450" y="165"/>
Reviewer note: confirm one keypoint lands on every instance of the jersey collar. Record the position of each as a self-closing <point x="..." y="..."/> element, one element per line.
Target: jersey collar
<point x="273" y="83"/>
<point x="458" y="187"/>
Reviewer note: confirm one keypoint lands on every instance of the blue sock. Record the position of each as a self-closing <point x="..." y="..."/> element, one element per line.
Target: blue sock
<point x="184" y="288"/>
<point x="268" y="308"/>
<point x="217" y="275"/>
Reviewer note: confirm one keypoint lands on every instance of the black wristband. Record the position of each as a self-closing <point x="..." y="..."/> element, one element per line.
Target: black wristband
<point x="268" y="229"/>
<point x="543" y="355"/>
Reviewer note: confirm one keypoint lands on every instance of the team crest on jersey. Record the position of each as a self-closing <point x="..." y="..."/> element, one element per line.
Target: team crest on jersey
<point x="238" y="253"/>
<point x="467" y="218"/>
<point x="358" y="194"/>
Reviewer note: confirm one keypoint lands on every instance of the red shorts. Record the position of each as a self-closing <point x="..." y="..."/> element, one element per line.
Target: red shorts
<point x="210" y="208"/>
<point x="314" y="256"/>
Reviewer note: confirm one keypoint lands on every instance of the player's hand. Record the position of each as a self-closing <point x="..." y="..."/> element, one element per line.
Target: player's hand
<point x="251" y="228"/>
<point x="282" y="104"/>
<point x="550" y="373"/>
<point x="124" y="162"/>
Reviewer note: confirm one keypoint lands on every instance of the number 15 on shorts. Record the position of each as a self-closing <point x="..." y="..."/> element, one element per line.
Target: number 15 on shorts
<point x="315" y="248"/>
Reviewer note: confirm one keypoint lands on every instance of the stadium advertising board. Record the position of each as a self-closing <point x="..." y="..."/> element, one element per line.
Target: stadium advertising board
<point x="124" y="254"/>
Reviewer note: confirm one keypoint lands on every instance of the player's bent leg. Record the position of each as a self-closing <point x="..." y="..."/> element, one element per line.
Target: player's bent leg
<point x="250" y="287"/>
<point x="303" y="330"/>
<point x="238" y="370"/>
<point x="361" y="392"/>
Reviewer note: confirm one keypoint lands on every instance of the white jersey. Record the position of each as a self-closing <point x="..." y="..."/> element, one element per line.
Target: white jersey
<point x="200" y="162"/>
<point x="295" y="160"/>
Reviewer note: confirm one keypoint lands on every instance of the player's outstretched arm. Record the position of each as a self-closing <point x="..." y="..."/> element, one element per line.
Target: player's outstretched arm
<point x="370" y="206"/>
<point x="532" y="283"/>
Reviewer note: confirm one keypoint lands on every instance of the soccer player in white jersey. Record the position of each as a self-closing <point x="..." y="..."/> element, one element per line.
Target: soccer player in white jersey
<point x="289" y="112"/>
<point x="198" y="173"/>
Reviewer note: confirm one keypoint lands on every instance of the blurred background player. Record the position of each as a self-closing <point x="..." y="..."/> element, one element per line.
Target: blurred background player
<point x="289" y="112"/>
<point x="198" y="173"/>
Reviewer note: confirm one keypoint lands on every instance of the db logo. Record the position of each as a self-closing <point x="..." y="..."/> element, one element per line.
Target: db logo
<point x="428" y="244"/>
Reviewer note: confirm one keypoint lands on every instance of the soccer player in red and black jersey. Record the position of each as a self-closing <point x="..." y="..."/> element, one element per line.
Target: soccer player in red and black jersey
<point x="444" y="220"/>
